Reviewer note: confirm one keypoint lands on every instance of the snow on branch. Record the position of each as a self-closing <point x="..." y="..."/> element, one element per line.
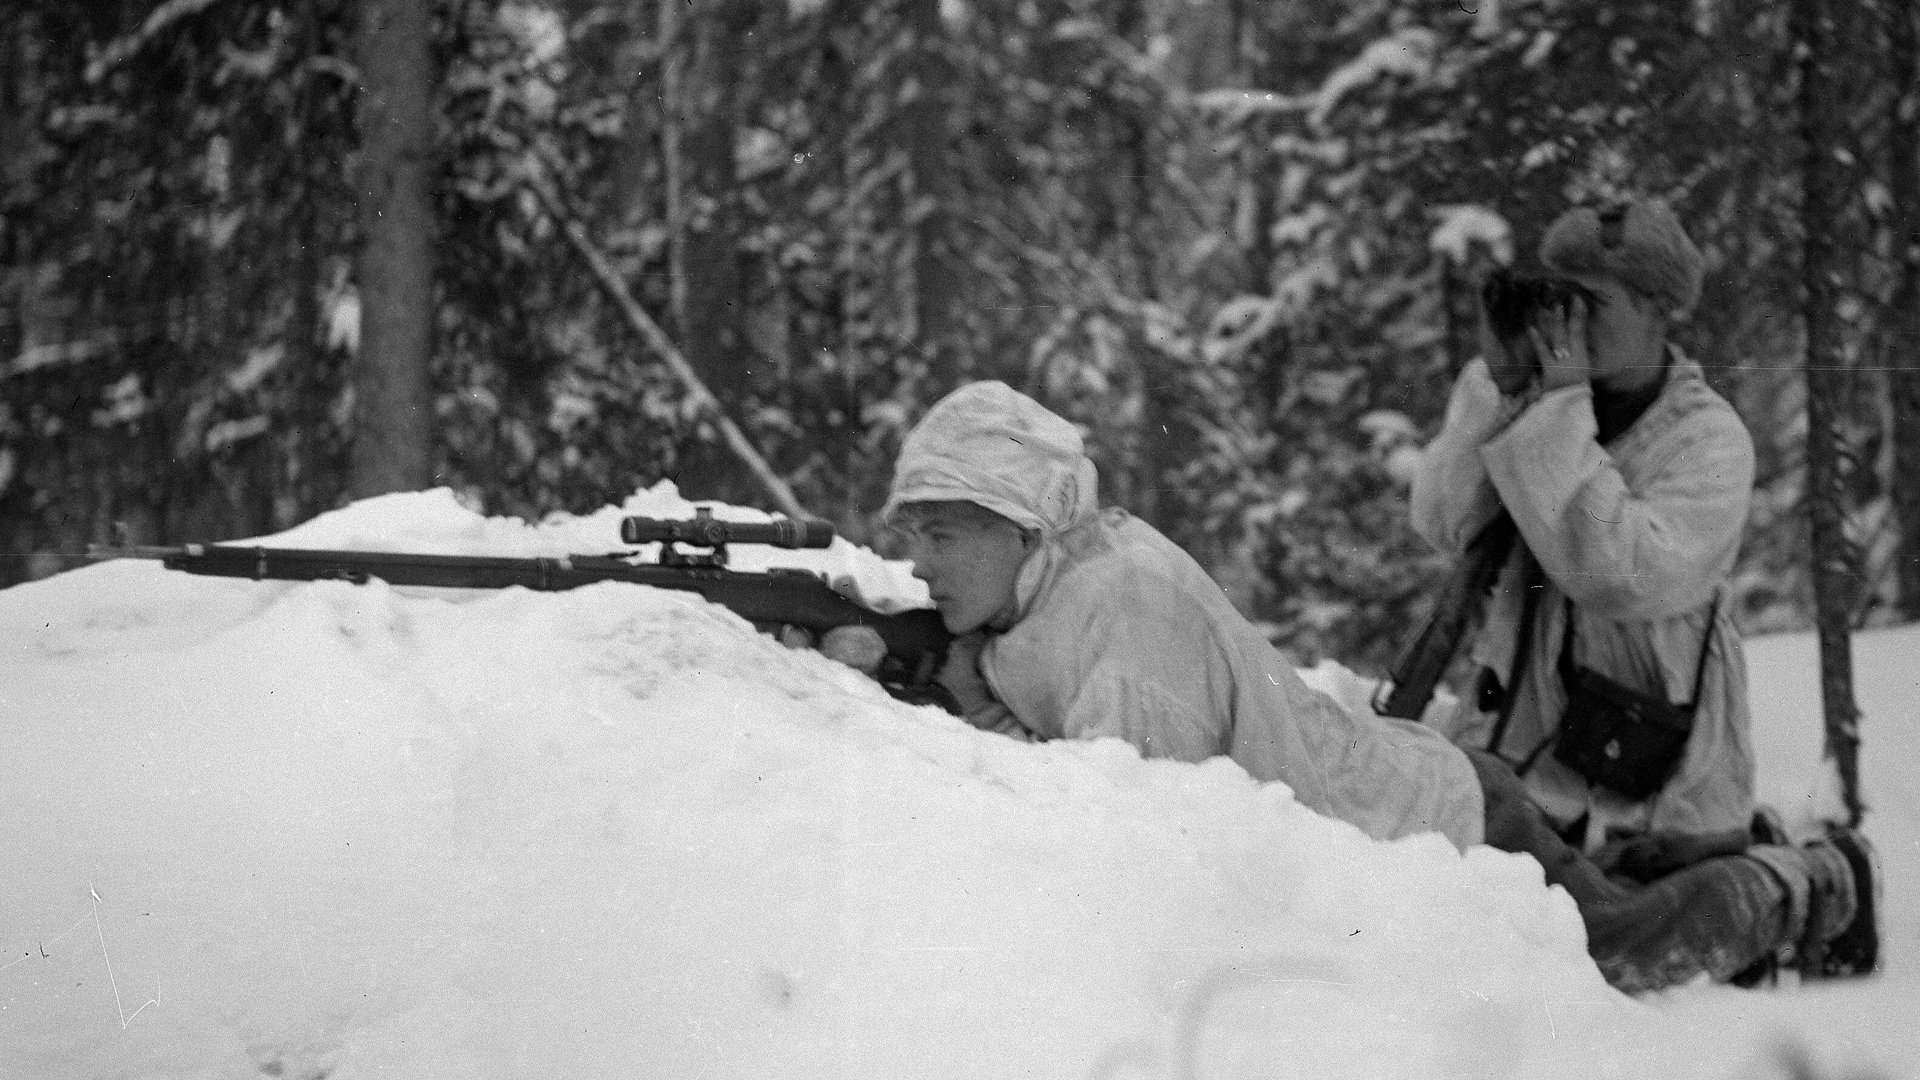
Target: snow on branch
<point x="120" y="49"/>
<point x="1237" y="105"/>
<point x="1463" y="225"/>
<point x="1409" y="52"/>
<point x="58" y="354"/>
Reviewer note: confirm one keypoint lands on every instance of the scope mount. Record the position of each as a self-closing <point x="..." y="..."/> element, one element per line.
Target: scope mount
<point x="715" y="557"/>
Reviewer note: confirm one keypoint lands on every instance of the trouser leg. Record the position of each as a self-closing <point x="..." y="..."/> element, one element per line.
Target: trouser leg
<point x="1716" y="917"/>
<point x="1514" y="823"/>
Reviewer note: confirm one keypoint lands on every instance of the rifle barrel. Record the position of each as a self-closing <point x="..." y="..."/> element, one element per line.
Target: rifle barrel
<point x="101" y="552"/>
<point x="775" y="598"/>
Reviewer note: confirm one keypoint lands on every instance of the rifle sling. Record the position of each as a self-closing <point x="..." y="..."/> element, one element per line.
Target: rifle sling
<point x="1531" y="584"/>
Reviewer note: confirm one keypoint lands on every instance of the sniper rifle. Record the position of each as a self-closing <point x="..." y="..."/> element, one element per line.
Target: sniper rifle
<point x="777" y="601"/>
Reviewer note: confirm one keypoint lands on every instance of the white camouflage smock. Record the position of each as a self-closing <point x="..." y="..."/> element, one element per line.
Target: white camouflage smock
<point x="1118" y="632"/>
<point x="1642" y="535"/>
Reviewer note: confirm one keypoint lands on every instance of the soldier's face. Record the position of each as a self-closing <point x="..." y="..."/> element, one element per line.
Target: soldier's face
<point x="1624" y="334"/>
<point x="969" y="557"/>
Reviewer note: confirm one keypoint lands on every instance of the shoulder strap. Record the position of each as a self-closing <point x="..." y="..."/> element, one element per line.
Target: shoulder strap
<point x="1706" y="647"/>
<point x="1531" y="582"/>
<point x="1566" y="645"/>
<point x="1699" y="672"/>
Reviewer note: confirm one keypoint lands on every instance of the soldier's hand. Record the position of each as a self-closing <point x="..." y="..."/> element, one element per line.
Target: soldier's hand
<point x="961" y="673"/>
<point x="1512" y="368"/>
<point x="1560" y="340"/>
<point x="1649" y="856"/>
<point x="1642" y="858"/>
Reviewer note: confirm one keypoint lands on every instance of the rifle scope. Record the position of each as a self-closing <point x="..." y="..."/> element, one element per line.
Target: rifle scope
<point x="704" y="530"/>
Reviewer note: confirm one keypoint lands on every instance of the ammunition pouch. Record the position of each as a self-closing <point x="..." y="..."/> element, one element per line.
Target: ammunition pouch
<point x="1623" y="739"/>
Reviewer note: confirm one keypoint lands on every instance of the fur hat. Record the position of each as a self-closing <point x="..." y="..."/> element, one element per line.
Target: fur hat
<point x="1637" y="242"/>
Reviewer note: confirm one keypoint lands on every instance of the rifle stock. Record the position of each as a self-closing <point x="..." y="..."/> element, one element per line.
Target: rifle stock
<point x="916" y="641"/>
<point x="1424" y="664"/>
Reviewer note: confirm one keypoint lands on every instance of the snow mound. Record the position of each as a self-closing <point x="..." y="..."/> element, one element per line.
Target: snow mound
<point x="325" y="830"/>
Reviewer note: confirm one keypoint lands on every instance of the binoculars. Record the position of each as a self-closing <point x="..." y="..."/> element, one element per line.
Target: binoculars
<point x="1512" y="302"/>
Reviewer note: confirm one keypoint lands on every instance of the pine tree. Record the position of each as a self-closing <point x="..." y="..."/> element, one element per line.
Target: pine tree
<point x="1903" y="337"/>
<point x="393" y="437"/>
<point x="1835" y="562"/>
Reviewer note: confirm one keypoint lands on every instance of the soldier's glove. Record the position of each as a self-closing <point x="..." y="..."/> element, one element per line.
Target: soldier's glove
<point x="1650" y="856"/>
<point x="962" y="678"/>
<point x="859" y="647"/>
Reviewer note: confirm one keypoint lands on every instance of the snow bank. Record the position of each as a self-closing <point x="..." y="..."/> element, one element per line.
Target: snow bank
<point x="1788" y="734"/>
<point x="320" y="830"/>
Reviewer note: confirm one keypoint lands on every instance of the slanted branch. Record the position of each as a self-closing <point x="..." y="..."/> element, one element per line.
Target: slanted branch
<point x="657" y="339"/>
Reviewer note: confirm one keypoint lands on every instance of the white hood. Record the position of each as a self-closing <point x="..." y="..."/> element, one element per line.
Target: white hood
<point x="989" y="444"/>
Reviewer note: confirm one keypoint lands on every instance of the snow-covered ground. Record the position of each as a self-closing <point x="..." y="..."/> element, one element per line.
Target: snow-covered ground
<point x="325" y="830"/>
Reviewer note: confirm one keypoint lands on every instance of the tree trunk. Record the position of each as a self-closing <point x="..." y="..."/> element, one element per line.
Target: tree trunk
<point x="1164" y="441"/>
<point x="923" y="131"/>
<point x="1835" y="578"/>
<point x="19" y="105"/>
<point x="1202" y="55"/>
<point x="19" y="133"/>
<point x="393" y="432"/>
<point x="309" y="474"/>
<point x="1903" y="330"/>
<point x="706" y="46"/>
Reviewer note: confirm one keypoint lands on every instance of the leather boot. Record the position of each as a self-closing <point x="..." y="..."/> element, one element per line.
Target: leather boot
<point x="1843" y="921"/>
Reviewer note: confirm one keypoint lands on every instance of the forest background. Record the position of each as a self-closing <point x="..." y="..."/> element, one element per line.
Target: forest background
<point x="261" y="257"/>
